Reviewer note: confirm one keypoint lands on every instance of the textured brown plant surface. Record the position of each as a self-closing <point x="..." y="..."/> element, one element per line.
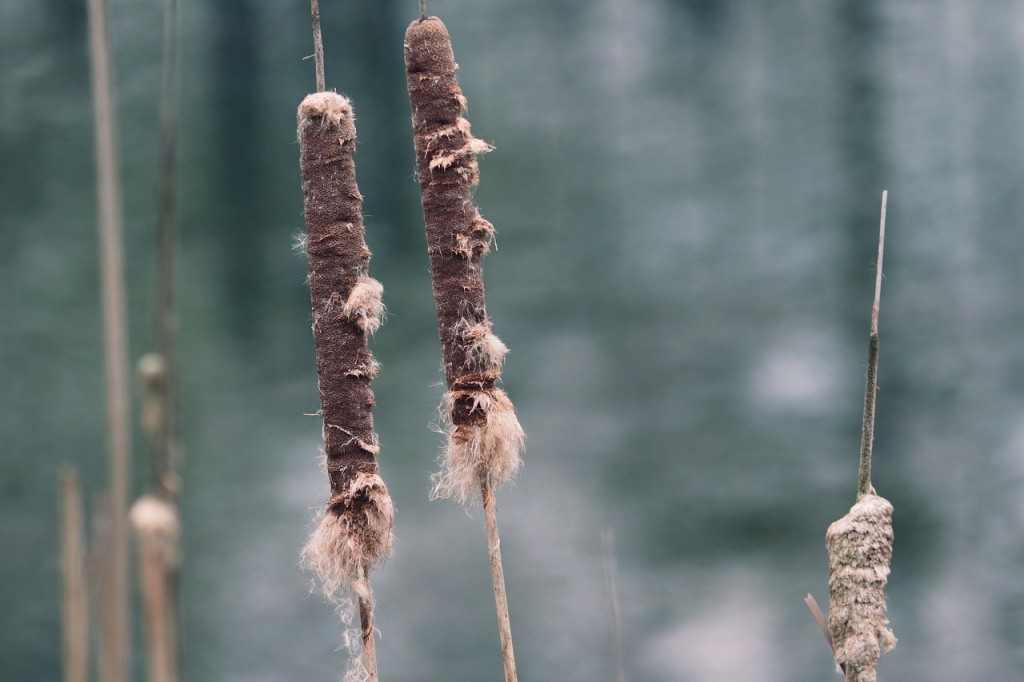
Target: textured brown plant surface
<point x="484" y="438"/>
<point x="859" y="553"/>
<point x="355" y="531"/>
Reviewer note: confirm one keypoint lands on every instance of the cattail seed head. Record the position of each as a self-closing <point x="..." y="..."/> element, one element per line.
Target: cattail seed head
<point x="485" y="440"/>
<point x="859" y="552"/>
<point x="354" y="531"/>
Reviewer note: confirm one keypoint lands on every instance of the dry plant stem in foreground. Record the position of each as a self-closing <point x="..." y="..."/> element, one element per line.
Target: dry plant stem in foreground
<point x="611" y="581"/>
<point x="354" y="532"/>
<point x="158" y="535"/>
<point x="115" y="620"/>
<point x="860" y="544"/>
<point x="485" y="440"/>
<point x="75" y="599"/>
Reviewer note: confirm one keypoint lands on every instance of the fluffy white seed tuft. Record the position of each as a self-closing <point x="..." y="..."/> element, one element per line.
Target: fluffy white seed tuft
<point x="352" y="534"/>
<point x="490" y="451"/>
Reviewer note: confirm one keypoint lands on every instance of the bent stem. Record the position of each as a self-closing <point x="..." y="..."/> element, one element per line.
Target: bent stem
<point x="498" y="578"/>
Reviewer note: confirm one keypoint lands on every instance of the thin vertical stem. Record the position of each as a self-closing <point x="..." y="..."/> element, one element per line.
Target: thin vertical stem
<point x="366" y="626"/>
<point x="158" y="533"/>
<point x="868" y="423"/>
<point x="164" y="446"/>
<point x="115" y="340"/>
<point x="75" y="601"/>
<point x="318" y="45"/>
<point x="423" y="9"/>
<point x="498" y="578"/>
<point x="611" y="580"/>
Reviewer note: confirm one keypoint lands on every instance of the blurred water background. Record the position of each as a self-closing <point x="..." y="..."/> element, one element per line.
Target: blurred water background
<point x="686" y="195"/>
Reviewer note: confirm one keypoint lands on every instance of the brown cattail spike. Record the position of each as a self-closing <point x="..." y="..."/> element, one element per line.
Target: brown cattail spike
<point x="355" y="530"/>
<point x="484" y="439"/>
<point x="859" y="552"/>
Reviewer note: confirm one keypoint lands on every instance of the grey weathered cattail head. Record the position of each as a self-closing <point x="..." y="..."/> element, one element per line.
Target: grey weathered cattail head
<point x="859" y="553"/>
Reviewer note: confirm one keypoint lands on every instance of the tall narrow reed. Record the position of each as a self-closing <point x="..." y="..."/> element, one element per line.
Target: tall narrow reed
<point x="155" y="520"/>
<point x="115" y="620"/>
<point x="484" y="440"/>
<point x="860" y="544"/>
<point x="75" y="597"/>
<point x="158" y="534"/>
<point x="611" y="584"/>
<point x="354" y="532"/>
<point x="163" y="388"/>
<point x="155" y="516"/>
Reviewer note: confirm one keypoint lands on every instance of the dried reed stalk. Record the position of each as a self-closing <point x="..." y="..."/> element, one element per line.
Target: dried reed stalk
<point x="158" y="532"/>
<point x="162" y="387"/>
<point x="116" y="603"/>
<point x="75" y="598"/>
<point x="611" y="583"/>
<point x="354" y="532"/>
<point x="318" y="45"/>
<point x="155" y="515"/>
<point x="860" y="544"/>
<point x="485" y="440"/>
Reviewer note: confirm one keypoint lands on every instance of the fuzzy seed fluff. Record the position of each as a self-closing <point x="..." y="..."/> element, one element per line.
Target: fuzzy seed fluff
<point x="485" y="350"/>
<point x="365" y="305"/>
<point x="329" y="107"/>
<point x="859" y="552"/>
<point x="473" y="452"/>
<point x="352" y="534"/>
<point x="157" y="526"/>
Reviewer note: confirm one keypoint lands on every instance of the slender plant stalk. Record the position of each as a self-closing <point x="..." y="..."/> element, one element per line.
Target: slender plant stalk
<point x="155" y="519"/>
<point x="318" y="45"/>
<point x="611" y="580"/>
<point x="100" y="570"/>
<point x="158" y="534"/>
<point x="485" y="439"/>
<point x="116" y="607"/>
<point x="355" y="530"/>
<point x="75" y="600"/>
<point x="860" y="544"/>
<point x="366" y="626"/>
<point x="820" y="618"/>
<point x="155" y="516"/>
<point x="165" y="476"/>
<point x="490" y="505"/>
<point x="867" y="436"/>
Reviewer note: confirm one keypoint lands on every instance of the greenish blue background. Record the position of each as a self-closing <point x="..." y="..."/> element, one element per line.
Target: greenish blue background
<point x="686" y="195"/>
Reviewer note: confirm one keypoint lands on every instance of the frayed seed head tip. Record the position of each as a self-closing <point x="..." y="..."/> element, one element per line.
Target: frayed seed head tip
<point x="329" y="108"/>
<point x="353" y="534"/>
<point x="491" y="450"/>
